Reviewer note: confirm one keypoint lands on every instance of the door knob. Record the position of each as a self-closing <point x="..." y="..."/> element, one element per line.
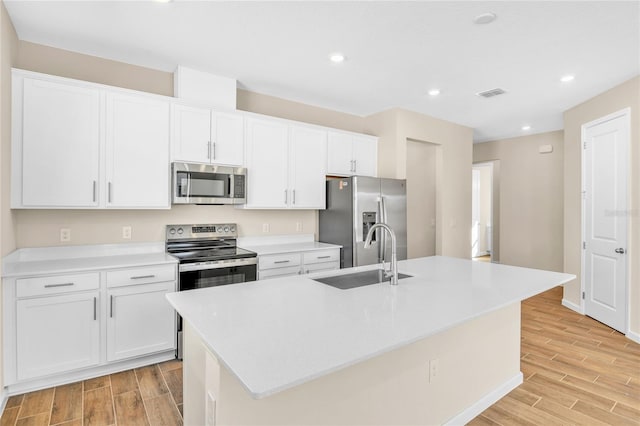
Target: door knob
<point x="619" y="250"/>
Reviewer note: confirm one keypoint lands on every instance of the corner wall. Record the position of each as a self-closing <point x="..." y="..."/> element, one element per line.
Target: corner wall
<point x="531" y="190"/>
<point x="626" y="95"/>
<point x="8" y="48"/>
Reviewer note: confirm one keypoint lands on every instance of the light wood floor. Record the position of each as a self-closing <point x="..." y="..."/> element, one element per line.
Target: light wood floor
<point x="577" y="371"/>
<point x="149" y="395"/>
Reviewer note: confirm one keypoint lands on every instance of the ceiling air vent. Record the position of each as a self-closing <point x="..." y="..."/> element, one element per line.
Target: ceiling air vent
<point x="491" y="93"/>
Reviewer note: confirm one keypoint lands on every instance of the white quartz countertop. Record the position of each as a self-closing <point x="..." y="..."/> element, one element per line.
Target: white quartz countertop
<point x="58" y="260"/>
<point x="289" y="247"/>
<point x="279" y="333"/>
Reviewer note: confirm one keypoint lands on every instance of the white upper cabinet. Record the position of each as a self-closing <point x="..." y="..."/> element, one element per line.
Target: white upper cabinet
<point x="60" y="135"/>
<point x="267" y="163"/>
<point x="285" y="165"/>
<point x="137" y="170"/>
<point x="307" y="164"/>
<point x="84" y="145"/>
<point x="352" y="154"/>
<point x="205" y="136"/>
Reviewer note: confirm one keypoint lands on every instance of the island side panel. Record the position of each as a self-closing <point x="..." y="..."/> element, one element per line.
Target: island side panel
<point x="475" y="360"/>
<point x="193" y="377"/>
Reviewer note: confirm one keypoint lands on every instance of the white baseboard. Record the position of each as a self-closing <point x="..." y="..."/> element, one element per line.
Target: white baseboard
<point x="572" y="306"/>
<point x="633" y="336"/>
<point x="487" y="401"/>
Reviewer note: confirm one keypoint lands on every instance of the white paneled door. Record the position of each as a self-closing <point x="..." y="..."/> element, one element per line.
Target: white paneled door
<point x="606" y="152"/>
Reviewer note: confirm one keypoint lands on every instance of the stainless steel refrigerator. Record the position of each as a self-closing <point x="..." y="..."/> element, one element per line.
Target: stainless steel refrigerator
<point x="354" y="204"/>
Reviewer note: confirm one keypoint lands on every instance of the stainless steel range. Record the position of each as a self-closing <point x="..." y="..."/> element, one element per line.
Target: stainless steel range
<point x="208" y="257"/>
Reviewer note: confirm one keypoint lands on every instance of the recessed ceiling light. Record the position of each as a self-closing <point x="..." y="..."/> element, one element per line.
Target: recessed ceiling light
<point x="526" y="127"/>
<point x="485" y="18"/>
<point x="567" y="78"/>
<point x="336" y="58"/>
<point x="434" y="92"/>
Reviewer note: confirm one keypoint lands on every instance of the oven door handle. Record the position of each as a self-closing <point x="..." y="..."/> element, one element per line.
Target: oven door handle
<point x="219" y="264"/>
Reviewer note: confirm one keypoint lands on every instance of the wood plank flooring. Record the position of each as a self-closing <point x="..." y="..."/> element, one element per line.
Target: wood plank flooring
<point x="576" y="371"/>
<point x="144" y="396"/>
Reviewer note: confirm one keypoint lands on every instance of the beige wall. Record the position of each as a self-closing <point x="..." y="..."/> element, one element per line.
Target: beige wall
<point x="421" y="198"/>
<point x="8" y="49"/>
<point x="531" y="194"/>
<point x="626" y="95"/>
<point x="453" y="169"/>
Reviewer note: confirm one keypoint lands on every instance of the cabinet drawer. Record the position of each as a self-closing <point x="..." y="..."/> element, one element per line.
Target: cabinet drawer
<point x="133" y="276"/>
<point x="279" y="272"/>
<point x="321" y="256"/>
<point x="41" y="286"/>
<point x="325" y="266"/>
<point x="278" y="260"/>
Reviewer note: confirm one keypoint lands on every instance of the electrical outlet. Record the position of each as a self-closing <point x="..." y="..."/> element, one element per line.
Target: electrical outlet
<point x="265" y="228"/>
<point x="433" y="370"/>
<point x="298" y="226"/>
<point x="126" y="232"/>
<point x="65" y="235"/>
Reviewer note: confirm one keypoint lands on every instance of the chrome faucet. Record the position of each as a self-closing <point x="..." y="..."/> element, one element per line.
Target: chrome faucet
<point x="394" y="258"/>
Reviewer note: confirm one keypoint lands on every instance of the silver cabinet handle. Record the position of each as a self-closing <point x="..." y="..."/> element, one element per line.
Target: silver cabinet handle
<point x="619" y="250"/>
<point x="323" y="257"/>
<point x="109" y="191"/>
<point x="282" y="261"/>
<point x="95" y="302"/>
<point x="208" y="150"/>
<point x="293" y="197"/>
<point x="140" y="277"/>
<point x="355" y="166"/>
<point x="58" y="285"/>
<point x="111" y="306"/>
<point x="285" y="196"/>
<point x="94" y="191"/>
<point x="213" y="150"/>
<point x="351" y="165"/>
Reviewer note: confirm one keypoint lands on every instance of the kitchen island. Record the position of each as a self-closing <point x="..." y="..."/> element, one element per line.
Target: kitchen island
<point x="438" y="348"/>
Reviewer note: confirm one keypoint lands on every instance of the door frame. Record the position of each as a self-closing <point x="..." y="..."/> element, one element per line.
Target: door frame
<point x="626" y="113"/>
<point x="489" y="165"/>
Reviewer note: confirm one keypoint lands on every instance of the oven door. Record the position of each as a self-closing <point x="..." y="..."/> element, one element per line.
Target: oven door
<point x="193" y="276"/>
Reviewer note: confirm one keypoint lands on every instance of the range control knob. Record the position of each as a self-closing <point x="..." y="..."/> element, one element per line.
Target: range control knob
<point x="226" y="229"/>
<point x="220" y="230"/>
<point x="233" y="229"/>
<point x="180" y="231"/>
<point x="172" y="231"/>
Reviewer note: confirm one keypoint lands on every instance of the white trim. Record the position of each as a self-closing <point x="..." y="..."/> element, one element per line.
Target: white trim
<point x="577" y="308"/>
<point x="486" y="401"/>
<point x="633" y="336"/>
<point x="626" y="113"/>
<point x="3" y="400"/>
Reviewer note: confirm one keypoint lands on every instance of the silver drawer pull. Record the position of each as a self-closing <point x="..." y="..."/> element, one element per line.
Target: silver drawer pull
<point x="58" y="285"/>
<point x="141" y="277"/>
<point x="282" y="261"/>
<point x="111" y="306"/>
<point x="95" y="310"/>
<point x="323" y="257"/>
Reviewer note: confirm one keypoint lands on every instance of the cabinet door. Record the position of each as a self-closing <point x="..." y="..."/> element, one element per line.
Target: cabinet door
<point x="137" y="152"/>
<point x="60" y="145"/>
<point x="365" y="155"/>
<point x="227" y="140"/>
<point x="307" y="163"/>
<point x="191" y="134"/>
<point x="140" y="320"/>
<point x="57" y="334"/>
<point x="339" y="151"/>
<point x="267" y="164"/>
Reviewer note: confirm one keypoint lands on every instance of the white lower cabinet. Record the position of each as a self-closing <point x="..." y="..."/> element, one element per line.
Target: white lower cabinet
<point x="57" y="334"/>
<point x="58" y="327"/>
<point x="297" y="263"/>
<point x="140" y="320"/>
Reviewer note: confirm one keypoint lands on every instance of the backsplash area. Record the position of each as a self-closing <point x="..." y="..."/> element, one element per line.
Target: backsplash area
<point x="41" y="228"/>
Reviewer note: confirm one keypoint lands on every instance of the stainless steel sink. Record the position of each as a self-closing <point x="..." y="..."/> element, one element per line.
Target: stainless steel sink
<point x="357" y="279"/>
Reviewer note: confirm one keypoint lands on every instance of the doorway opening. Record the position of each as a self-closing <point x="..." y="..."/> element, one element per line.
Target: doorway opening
<point x="482" y="212"/>
<point x="424" y="161"/>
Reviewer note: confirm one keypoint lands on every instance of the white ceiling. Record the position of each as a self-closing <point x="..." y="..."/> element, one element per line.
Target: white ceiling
<point x="396" y="51"/>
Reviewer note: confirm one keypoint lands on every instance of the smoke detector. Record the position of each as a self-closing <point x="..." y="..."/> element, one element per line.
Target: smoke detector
<point x="491" y="93"/>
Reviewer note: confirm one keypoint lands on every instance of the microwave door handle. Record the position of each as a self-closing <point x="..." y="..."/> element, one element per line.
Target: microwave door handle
<point x="231" y="191"/>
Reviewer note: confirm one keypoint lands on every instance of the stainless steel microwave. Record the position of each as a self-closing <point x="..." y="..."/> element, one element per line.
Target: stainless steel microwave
<point x="208" y="184"/>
